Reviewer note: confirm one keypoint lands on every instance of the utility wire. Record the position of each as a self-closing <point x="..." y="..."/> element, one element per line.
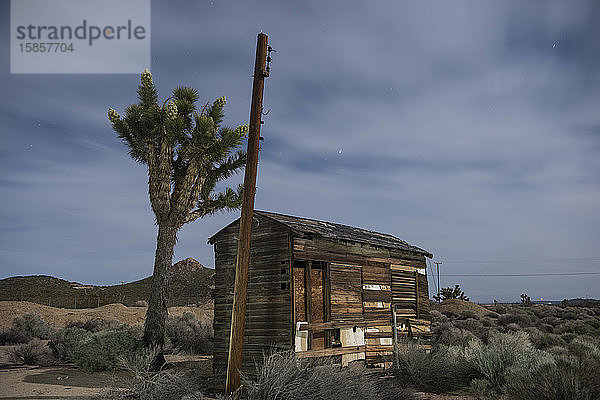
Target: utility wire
<point x="532" y="274"/>
<point x="501" y="261"/>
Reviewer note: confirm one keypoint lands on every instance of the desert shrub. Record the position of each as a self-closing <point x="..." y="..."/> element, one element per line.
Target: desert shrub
<point x="547" y="340"/>
<point x="10" y="336"/>
<point x="574" y="376"/>
<point x="467" y="314"/>
<point x="33" y="353"/>
<point x="284" y="377"/>
<point x="501" y="309"/>
<point x="483" y="389"/>
<point x="190" y="335"/>
<point x="442" y="370"/>
<point x="577" y="327"/>
<point x="146" y="384"/>
<point x="450" y="314"/>
<point x="513" y="327"/>
<point x="447" y="334"/>
<point x="101" y="350"/>
<point x="65" y="342"/>
<point x="543" y="311"/>
<point x="519" y="317"/>
<point x="504" y="351"/>
<point x="31" y="326"/>
<point x="550" y="321"/>
<point x="97" y="324"/>
<point x="492" y="315"/>
<point x="437" y="316"/>
<point x="473" y="326"/>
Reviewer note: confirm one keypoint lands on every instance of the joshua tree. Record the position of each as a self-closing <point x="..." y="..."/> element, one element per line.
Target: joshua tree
<point x="187" y="152"/>
<point x="525" y="300"/>
<point x="448" y="293"/>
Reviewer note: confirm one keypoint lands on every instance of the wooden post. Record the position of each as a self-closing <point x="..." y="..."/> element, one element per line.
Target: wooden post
<point x="395" y="337"/>
<point x="238" y="314"/>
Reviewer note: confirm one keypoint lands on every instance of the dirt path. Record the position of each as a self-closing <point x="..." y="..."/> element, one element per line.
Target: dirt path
<point x="49" y="383"/>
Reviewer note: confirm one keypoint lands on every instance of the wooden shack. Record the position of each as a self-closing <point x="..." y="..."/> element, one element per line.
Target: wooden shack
<point x="322" y="289"/>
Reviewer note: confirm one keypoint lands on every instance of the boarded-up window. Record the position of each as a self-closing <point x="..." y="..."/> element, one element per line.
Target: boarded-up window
<point x="404" y="290"/>
<point x="346" y="292"/>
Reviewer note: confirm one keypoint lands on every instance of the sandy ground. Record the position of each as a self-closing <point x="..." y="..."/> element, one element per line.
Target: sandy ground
<point x="59" y="382"/>
<point x="60" y="317"/>
<point x="49" y="383"/>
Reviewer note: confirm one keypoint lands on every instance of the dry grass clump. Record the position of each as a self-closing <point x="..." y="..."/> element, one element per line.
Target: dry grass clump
<point x="503" y="352"/>
<point x="572" y="374"/>
<point x="36" y="352"/>
<point x="284" y="377"/>
<point x="442" y="370"/>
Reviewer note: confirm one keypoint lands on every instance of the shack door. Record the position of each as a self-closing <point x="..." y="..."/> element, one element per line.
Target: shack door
<point x="311" y="303"/>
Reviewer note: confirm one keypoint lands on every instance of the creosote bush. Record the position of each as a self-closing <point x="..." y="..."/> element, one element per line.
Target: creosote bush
<point x="33" y="353"/>
<point x="504" y="351"/>
<point x="65" y="343"/>
<point x="188" y="334"/>
<point x="443" y="369"/>
<point x="101" y="350"/>
<point x="31" y="326"/>
<point x="569" y="375"/>
<point x="9" y="336"/>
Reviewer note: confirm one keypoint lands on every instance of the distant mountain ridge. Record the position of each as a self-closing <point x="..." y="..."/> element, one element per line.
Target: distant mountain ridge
<point x="191" y="283"/>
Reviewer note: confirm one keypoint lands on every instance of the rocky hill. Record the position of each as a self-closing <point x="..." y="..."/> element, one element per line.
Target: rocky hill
<point x="191" y="283"/>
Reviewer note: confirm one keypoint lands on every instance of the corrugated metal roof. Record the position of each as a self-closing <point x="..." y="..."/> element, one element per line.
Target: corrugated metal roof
<point x="332" y="230"/>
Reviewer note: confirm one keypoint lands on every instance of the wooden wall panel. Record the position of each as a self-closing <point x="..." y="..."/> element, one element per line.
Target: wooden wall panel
<point x="268" y="311"/>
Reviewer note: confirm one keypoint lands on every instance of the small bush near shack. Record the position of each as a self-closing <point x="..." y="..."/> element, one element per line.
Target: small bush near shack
<point x="187" y="334"/>
<point x="100" y="351"/>
<point x="444" y="369"/>
<point x="284" y="377"/>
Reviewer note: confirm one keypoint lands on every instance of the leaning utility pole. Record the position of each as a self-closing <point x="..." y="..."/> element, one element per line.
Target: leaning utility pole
<point x="437" y="264"/>
<point x="238" y="314"/>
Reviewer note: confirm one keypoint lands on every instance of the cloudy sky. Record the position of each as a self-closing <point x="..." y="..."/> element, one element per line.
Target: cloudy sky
<point x="468" y="128"/>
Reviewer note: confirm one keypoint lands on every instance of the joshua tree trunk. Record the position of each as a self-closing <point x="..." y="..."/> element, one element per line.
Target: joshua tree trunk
<point x="154" y="327"/>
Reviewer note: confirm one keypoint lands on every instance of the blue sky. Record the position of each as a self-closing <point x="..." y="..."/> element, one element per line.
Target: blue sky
<point x="470" y="129"/>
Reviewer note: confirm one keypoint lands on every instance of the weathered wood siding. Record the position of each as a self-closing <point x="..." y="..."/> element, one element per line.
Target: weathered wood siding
<point x="268" y="311"/>
<point x="379" y="284"/>
<point x="346" y="292"/>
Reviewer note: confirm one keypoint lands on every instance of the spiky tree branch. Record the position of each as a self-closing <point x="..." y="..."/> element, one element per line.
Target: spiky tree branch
<point x="187" y="153"/>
